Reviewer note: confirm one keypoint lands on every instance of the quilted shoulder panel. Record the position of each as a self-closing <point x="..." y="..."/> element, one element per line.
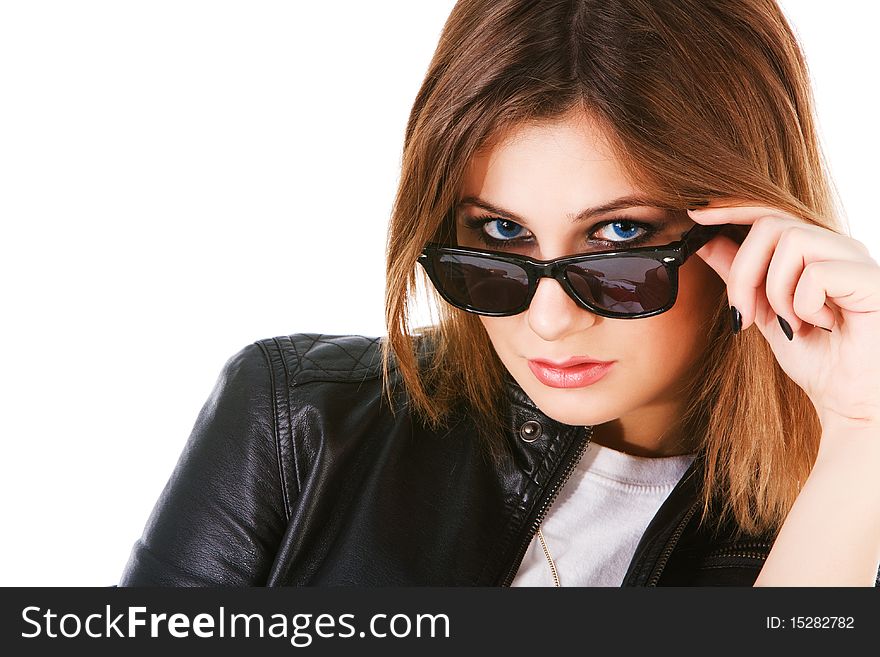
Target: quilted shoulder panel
<point x="322" y="357"/>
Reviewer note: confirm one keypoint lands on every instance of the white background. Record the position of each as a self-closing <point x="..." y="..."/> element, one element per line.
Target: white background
<point x="173" y="175"/>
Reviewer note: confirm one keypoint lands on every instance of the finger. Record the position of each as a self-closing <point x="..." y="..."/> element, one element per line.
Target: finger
<point x="736" y="214"/>
<point x="803" y="243"/>
<point x="854" y="287"/>
<point x="719" y="253"/>
<point x="747" y="275"/>
<point x="796" y="246"/>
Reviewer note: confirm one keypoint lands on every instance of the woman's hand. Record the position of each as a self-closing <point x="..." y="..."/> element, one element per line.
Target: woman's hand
<point x="811" y="277"/>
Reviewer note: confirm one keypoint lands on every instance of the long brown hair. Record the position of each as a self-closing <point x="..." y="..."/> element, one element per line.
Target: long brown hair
<point x="700" y="99"/>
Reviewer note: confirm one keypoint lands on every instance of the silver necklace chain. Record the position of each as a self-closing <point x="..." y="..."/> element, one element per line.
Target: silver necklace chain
<point x="553" y="570"/>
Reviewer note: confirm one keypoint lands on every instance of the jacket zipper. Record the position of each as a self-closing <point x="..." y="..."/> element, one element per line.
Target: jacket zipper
<point x="749" y="555"/>
<point x="756" y="550"/>
<point x="742" y="550"/>
<point x="671" y="543"/>
<point x="546" y="506"/>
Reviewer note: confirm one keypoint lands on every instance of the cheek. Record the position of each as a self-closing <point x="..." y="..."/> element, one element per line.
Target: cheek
<point x="507" y="337"/>
<point x="499" y="330"/>
<point x="685" y="329"/>
<point x="699" y="289"/>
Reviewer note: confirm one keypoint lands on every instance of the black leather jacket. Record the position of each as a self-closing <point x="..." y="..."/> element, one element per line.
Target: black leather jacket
<point x="296" y="474"/>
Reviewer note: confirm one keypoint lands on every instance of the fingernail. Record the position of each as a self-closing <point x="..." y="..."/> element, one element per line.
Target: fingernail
<point x="735" y="320"/>
<point x="786" y="328"/>
<point x="824" y="329"/>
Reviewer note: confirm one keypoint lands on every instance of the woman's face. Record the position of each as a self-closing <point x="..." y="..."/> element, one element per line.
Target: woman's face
<point x="546" y="175"/>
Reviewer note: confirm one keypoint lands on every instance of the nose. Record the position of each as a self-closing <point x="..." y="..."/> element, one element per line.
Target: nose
<point x="552" y="314"/>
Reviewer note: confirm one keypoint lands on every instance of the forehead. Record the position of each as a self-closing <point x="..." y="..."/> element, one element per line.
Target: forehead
<point x="567" y="161"/>
<point x="558" y="173"/>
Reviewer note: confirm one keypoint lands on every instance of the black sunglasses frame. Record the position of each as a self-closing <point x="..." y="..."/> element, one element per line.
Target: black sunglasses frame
<point x="671" y="256"/>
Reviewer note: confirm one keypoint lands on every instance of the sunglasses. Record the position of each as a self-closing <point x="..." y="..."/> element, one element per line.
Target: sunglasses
<point x="624" y="284"/>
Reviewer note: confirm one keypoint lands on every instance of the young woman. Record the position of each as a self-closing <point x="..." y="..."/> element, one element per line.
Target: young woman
<point x="656" y="361"/>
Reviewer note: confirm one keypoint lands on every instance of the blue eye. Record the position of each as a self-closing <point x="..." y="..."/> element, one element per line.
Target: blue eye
<point x="627" y="228"/>
<point x="507" y="230"/>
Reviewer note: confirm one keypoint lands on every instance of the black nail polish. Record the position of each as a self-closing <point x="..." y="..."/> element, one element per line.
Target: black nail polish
<point x="735" y="320"/>
<point x="824" y="329"/>
<point x="786" y="328"/>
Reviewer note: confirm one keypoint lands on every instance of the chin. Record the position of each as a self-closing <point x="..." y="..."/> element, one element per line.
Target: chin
<point x="573" y="406"/>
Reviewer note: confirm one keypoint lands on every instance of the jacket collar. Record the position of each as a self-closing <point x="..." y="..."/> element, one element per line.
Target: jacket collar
<point x="522" y="409"/>
<point x="534" y="434"/>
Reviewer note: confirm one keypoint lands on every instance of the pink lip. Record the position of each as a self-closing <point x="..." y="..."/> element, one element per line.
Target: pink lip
<point x="574" y="360"/>
<point x="582" y="373"/>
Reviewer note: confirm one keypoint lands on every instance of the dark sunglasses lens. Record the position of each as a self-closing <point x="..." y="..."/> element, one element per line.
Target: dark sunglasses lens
<point x="482" y="283"/>
<point x="622" y="285"/>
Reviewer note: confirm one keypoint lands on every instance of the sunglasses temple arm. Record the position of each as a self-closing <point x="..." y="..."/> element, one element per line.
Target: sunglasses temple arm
<point x="697" y="237"/>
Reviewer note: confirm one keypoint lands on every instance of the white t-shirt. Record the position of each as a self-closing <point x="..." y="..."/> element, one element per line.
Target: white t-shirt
<point x="599" y="516"/>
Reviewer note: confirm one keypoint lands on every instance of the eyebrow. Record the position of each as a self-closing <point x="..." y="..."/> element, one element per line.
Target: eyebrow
<point x="582" y="216"/>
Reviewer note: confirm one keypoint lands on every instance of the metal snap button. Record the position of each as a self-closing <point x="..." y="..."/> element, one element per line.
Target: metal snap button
<point x="530" y="431"/>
